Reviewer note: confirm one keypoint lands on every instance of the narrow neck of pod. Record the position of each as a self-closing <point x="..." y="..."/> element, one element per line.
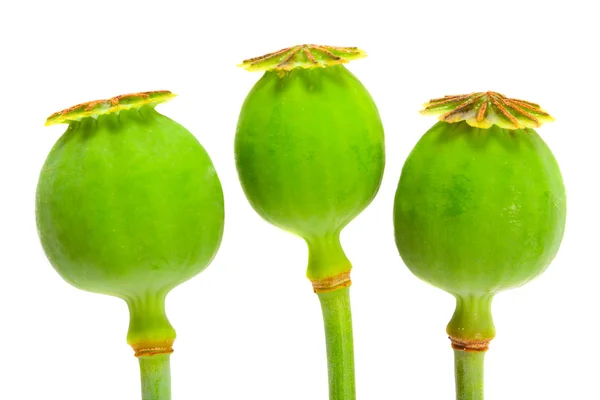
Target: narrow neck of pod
<point x="327" y="261"/>
<point x="150" y="332"/>
<point x="471" y="327"/>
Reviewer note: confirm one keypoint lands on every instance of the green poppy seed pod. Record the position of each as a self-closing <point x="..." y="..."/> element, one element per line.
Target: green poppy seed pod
<point x="309" y="148"/>
<point x="480" y="208"/>
<point x="129" y="204"/>
<point x="309" y="151"/>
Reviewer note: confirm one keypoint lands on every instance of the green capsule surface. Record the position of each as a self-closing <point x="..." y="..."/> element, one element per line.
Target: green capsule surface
<point x="129" y="204"/>
<point x="478" y="210"/>
<point x="309" y="151"/>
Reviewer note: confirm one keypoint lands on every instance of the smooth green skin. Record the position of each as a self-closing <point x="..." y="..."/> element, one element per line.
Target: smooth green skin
<point x="130" y="205"/>
<point x="468" y="372"/>
<point x="309" y="151"/>
<point x="310" y="156"/>
<point x="155" y="373"/>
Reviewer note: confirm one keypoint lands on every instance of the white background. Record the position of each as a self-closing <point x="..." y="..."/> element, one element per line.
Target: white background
<point x="249" y="327"/>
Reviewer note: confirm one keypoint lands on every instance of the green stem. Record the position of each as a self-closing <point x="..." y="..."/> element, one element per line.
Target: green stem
<point x="156" y="377"/>
<point x="468" y="369"/>
<point x="340" y="348"/>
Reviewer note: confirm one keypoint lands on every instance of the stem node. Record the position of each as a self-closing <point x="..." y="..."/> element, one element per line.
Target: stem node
<point x="145" y="349"/>
<point x="475" y="345"/>
<point x="332" y="283"/>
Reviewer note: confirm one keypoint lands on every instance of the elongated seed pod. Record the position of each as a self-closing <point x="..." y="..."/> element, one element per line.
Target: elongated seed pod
<point x="129" y="204"/>
<point x="480" y="208"/>
<point x="309" y="151"/>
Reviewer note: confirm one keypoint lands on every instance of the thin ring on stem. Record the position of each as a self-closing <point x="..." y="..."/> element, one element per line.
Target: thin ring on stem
<point x="332" y="283"/>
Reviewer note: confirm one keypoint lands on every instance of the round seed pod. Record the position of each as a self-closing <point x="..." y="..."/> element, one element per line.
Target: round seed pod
<point x="480" y="207"/>
<point x="129" y="204"/>
<point x="309" y="148"/>
<point x="309" y="151"/>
